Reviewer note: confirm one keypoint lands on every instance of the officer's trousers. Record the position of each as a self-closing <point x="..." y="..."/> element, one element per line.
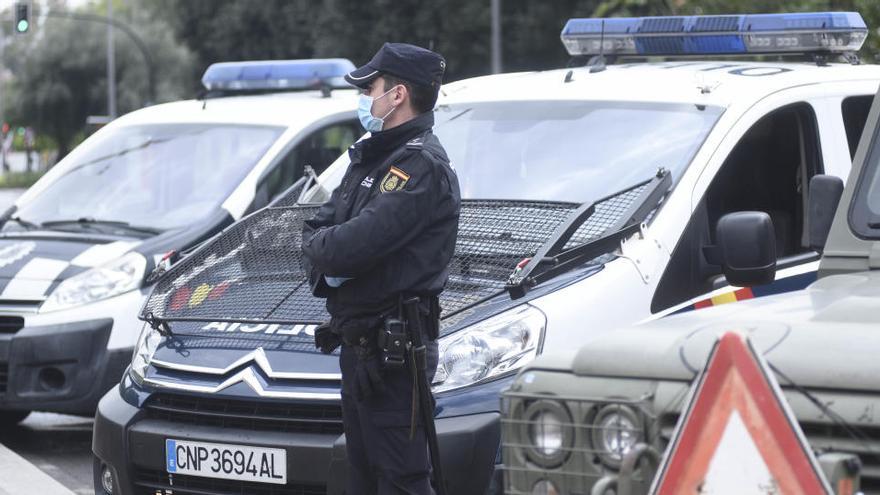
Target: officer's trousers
<point x="382" y="460"/>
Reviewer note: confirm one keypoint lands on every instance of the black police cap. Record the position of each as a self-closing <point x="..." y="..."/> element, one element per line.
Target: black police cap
<point x="408" y="62"/>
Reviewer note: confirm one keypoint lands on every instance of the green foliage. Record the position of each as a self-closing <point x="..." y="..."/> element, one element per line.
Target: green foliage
<point x="59" y="67"/>
<point x="18" y="180"/>
<point x="222" y="30"/>
<point x="61" y="76"/>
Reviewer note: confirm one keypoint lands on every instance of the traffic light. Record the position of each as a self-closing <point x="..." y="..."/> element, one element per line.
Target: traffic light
<point x="22" y="17"/>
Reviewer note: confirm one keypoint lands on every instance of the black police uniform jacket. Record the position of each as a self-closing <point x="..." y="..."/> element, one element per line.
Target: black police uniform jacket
<point x="391" y="224"/>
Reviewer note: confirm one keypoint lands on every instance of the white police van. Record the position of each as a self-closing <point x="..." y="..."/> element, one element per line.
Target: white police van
<point x="75" y="249"/>
<point x="590" y="200"/>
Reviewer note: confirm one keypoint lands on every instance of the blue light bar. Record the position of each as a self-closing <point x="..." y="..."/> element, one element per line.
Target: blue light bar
<point x="812" y="32"/>
<point x="277" y="75"/>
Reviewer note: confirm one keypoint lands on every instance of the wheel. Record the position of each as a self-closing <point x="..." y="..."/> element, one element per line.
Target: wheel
<point x="12" y="418"/>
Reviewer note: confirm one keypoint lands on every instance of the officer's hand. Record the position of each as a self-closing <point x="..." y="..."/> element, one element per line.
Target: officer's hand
<point x="326" y="339"/>
<point x="368" y="374"/>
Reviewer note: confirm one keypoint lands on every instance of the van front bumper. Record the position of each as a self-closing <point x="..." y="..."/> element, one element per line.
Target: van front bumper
<point x="60" y="368"/>
<point x="131" y="443"/>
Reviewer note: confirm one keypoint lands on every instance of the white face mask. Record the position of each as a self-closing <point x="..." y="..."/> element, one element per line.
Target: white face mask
<point x="365" y="112"/>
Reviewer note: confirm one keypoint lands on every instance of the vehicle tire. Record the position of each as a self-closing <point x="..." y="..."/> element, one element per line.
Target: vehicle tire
<point x="12" y="418"/>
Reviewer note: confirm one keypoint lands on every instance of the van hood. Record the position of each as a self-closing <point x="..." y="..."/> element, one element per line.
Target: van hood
<point x="816" y="336"/>
<point x="33" y="264"/>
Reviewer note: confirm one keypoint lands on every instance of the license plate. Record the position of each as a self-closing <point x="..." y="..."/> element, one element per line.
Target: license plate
<point x="218" y="460"/>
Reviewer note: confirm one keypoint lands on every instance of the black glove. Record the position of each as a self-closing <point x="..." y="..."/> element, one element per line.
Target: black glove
<point x="326" y="339"/>
<point x="368" y="379"/>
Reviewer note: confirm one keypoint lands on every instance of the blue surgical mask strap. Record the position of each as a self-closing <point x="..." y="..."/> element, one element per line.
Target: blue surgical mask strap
<point x="365" y="112"/>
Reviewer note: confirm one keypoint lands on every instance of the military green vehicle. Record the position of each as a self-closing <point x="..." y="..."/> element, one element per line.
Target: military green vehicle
<point x="595" y="420"/>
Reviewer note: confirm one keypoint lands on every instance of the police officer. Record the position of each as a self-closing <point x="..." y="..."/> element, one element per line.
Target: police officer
<point x="387" y="233"/>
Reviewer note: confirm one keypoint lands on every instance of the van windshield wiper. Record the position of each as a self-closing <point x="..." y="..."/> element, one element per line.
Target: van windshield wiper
<point x="555" y="257"/>
<point x="91" y="222"/>
<point x="25" y="223"/>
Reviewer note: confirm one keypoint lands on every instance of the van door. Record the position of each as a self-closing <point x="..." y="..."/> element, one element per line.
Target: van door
<point x="768" y="170"/>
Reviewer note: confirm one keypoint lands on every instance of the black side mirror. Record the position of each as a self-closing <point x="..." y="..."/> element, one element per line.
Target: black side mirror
<point x="746" y="248"/>
<point x="825" y="191"/>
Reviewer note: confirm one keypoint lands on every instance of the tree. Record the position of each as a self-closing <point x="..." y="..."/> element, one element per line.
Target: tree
<point x="60" y="75"/>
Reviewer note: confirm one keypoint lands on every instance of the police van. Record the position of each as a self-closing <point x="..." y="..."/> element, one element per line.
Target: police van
<point x="591" y="196"/>
<point x="599" y="418"/>
<point x="76" y="248"/>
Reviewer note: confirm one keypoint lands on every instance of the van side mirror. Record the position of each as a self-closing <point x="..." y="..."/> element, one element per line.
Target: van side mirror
<point x="746" y="248"/>
<point x="825" y="192"/>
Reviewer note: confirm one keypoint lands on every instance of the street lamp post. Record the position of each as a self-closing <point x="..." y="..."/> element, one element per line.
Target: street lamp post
<point x="111" y="65"/>
<point x="496" y="36"/>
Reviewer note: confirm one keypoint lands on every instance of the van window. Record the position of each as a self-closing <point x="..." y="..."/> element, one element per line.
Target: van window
<point x="855" y="113"/>
<point x="768" y="170"/>
<point x="155" y="176"/>
<point x="318" y="150"/>
<point x="573" y="151"/>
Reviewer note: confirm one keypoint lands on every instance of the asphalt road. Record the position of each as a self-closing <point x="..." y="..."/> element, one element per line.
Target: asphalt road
<point x="59" y="445"/>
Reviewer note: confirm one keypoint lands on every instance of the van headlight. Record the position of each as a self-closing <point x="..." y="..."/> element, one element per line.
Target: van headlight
<point x="111" y="279"/>
<point x="490" y="348"/>
<point x="146" y="346"/>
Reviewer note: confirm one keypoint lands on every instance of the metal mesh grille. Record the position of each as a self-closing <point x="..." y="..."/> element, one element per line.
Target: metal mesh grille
<point x="607" y="213"/>
<point x="254" y="271"/>
<point x="493" y="237"/>
<point x="300" y="342"/>
<point x="572" y="443"/>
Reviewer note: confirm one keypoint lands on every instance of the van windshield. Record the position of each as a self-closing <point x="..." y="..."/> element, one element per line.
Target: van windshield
<point x="574" y="151"/>
<point x="156" y="177"/>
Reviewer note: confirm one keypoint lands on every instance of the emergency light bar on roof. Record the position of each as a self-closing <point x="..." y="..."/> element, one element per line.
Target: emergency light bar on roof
<point x="813" y="32"/>
<point x="277" y="75"/>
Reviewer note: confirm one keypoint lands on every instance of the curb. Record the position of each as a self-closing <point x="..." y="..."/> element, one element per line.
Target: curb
<point x="18" y="476"/>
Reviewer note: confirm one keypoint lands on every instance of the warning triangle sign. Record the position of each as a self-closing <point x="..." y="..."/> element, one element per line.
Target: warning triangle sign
<point x="737" y="434"/>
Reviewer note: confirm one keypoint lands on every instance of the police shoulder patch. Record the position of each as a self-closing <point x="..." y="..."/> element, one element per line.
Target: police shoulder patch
<point x="394" y="180"/>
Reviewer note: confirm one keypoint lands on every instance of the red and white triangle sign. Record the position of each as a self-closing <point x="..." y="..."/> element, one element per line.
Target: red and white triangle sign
<point x="737" y="434"/>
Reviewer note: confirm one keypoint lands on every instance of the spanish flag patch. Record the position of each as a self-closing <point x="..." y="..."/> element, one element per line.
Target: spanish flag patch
<point x="394" y="180"/>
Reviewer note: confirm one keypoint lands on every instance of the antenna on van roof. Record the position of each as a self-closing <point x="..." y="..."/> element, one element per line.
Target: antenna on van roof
<point x="597" y="63"/>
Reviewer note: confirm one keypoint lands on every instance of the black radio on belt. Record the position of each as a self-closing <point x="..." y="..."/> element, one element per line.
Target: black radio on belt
<point x="392" y="342"/>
